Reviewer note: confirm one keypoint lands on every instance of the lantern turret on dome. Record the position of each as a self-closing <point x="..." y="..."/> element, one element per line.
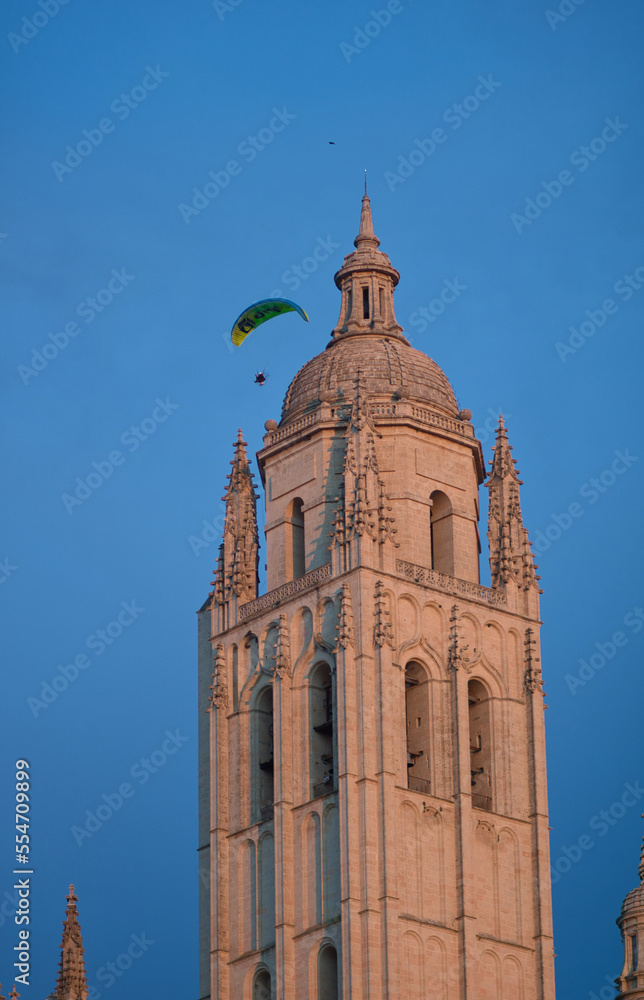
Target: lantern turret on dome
<point x="367" y="280"/>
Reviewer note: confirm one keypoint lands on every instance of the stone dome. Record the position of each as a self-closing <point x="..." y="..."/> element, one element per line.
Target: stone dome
<point x="634" y="900"/>
<point x="390" y="367"/>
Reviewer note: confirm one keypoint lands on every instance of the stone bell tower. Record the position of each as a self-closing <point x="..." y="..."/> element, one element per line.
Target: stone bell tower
<point x="373" y="808"/>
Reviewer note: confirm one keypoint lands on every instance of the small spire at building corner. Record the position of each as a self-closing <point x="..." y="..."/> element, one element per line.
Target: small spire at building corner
<point x="72" y="981"/>
<point x="511" y="557"/>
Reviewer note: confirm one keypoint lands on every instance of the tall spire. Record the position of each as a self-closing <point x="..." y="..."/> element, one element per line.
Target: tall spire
<point x="510" y="554"/>
<point x="367" y="281"/>
<point x="72" y="982"/>
<point x="236" y="574"/>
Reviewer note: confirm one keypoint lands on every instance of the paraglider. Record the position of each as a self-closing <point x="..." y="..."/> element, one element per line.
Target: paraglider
<point x="260" y="312"/>
<point x="260" y="378"/>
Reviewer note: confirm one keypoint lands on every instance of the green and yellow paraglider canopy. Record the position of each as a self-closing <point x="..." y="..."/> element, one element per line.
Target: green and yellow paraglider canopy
<point x="258" y="313"/>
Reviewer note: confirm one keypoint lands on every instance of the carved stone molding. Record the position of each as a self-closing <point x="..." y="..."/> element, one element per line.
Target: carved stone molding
<point x="274" y="597"/>
<point x="450" y="584"/>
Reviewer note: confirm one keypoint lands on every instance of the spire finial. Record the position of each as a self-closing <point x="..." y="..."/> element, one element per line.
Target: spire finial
<point x="365" y="180"/>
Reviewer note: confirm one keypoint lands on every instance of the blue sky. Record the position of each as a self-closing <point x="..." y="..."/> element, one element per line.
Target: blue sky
<point x="168" y="96"/>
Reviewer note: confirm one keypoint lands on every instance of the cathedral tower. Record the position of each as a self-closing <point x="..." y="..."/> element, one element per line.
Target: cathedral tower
<point x="631" y="923"/>
<point x="373" y="809"/>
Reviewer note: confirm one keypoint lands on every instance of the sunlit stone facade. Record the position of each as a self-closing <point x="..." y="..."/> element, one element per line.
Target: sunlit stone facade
<point x="373" y="808"/>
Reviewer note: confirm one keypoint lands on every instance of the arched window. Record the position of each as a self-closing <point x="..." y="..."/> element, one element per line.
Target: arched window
<point x="331" y="863"/>
<point x="235" y="678"/>
<point x="480" y="745"/>
<point x="328" y="988"/>
<point x="295" y="553"/>
<point x="263" y="777"/>
<point x="312" y="853"/>
<point x="262" y="985"/>
<point x="418" y="732"/>
<point x="321" y="718"/>
<point x="266" y="881"/>
<point x="442" y="535"/>
<point x="349" y="304"/>
<point x="248" y="897"/>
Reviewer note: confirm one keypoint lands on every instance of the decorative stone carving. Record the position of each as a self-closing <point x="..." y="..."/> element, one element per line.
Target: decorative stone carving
<point x="510" y="554"/>
<point x="273" y="597"/>
<point x="236" y="574"/>
<point x="449" y="584"/>
<point x="219" y="686"/>
<point x="361" y="507"/>
<point x="283" y="653"/>
<point x="345" y="628"/>
<point x="383" y="631"/>
<point x="532" y="669"/>
<point x="456" y="657"/>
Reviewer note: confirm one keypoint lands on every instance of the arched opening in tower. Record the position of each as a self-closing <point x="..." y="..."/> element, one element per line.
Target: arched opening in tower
<point x="480" y="745"/>
<point x="321" y="716"/>
<point x="417" y="728"/>
<point x="328" y="973"/>
<point x="264" y="753"/>
<point x="441" y="533"/>
<point x="295" y="551"/>
<point x="262" y="986"/>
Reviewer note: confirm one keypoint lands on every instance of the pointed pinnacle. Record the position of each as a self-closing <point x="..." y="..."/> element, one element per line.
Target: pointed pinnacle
<point x="366" y="236"/>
